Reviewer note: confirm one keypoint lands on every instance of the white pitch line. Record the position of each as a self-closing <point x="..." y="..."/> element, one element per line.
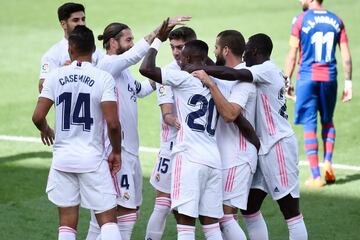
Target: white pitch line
<point x="156" y="150"/>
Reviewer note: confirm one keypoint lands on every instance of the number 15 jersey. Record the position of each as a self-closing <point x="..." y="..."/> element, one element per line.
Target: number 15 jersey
<point x="77" y="91"/>
<point x="198" y="116"/>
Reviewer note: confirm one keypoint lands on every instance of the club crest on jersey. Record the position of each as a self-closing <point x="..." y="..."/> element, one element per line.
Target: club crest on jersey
<point x="162" y="91"/>
<point x="45" y="68"/>
<point x="126" y="196"/>
<point x="157" y="177"/>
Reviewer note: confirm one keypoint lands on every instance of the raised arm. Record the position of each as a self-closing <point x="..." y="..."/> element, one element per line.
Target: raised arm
<point x="148" y="66"/>
<point x="347" y="66"/>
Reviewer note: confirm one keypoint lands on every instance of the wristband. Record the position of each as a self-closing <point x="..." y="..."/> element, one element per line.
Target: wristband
<point x="348" y="84"/>
<point x="156" y="44"/>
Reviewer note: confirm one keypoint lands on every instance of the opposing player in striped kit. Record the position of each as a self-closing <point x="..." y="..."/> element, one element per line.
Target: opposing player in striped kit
<point x="84" y="98"/>
<point x="315" y="34"/>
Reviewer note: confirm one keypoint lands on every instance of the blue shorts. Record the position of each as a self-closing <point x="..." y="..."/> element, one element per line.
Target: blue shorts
<point x="312" y="97"/>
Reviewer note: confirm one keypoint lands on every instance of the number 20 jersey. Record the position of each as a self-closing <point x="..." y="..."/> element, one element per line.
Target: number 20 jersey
<point x="197" y="114"/>
<point x="77" y="91"/>
<point x="319" y="31"/>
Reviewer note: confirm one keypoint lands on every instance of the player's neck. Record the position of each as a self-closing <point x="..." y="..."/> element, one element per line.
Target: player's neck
<point x="315" y="6"/>
<point x="233" y="62"/>
<point x="86" y="58"/>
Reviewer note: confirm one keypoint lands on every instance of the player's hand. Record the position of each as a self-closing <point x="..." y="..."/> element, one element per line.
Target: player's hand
<point x="289" y="89"/>
<point x="347" y="93"/>
<point x="114" y="161"/>
<point x="47" y="136"/>
<point x="204" y="78"/>
<point x="173" y="121"/>
<point x="178" y="20"/>
<point x="164" y="30"/>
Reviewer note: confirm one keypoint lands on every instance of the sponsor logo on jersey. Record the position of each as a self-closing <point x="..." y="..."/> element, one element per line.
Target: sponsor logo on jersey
<point x="45" y="68"/>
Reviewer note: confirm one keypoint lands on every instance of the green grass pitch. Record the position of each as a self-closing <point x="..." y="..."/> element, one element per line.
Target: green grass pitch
<point x="29" y="28"/>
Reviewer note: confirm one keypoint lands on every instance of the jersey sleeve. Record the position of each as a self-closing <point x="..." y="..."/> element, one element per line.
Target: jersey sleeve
<point x="259" y="73"/>
<point x="48" y="90"/>
<point x="343" y="35"/>
<point x="175" y="78"/>
<point x="131" y="57"/>
<point x="295" y="31"/>
<point x="240" y="93"/>
<point x="164" y="94"/>
<point x="109" y="90"/>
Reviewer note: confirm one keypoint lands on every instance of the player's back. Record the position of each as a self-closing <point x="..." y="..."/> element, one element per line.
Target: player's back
<point x="319" y="32"/>
<point x="197" y="113"/>
<point x="77" y="91"/>
<point x="271" y="111"/>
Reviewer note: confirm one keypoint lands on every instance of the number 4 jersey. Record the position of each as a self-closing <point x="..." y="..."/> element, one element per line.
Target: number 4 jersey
<point x="77" y="91"/>
<point x="197" y="114"/>
<point x="319" y="31"/>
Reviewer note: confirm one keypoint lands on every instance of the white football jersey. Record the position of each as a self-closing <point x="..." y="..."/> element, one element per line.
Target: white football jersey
<point x="117" y="66"/>
<point x="167" y="133"/>
<point x="271" y="117"/>
<point x="77" y="91"/>
<point x="58" y="55"/>
<point x="233" y="147"/>
<point x="197" y="114"/>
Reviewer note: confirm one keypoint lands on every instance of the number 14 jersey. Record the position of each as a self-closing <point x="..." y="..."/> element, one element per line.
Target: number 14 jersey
<point x="198" y="116"/>
<point x="77" y="91"/>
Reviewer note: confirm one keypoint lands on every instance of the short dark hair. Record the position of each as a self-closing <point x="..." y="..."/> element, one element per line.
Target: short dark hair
<point x="183" y="33"/>
<point x="234" y="40"/>
<point x="113" y="30"/>
<point x="320" y="1"/>
<point x="65" y="10"/>
<point x="197" y="48"/>
<point x="82" y="40"/>
<point x="262" y="43"/>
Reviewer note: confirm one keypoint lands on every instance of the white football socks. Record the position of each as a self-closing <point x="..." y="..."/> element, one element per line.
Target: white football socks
<point x="231" y="229"/>
<point x="256" y="226"/>
<point x="297" y="228"/>
<point x="66" y="233"/>
<point x="157" y="220"/>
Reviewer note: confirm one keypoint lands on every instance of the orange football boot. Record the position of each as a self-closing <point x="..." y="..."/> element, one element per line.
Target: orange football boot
<point x="314" y="183"/>
<point x="328" y="173"/>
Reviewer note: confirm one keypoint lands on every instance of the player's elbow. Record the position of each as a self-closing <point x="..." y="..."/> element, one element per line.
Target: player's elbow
<point x="146" y="71"/>
<point x="229" y="117"/>
<point x="37" y="119"/>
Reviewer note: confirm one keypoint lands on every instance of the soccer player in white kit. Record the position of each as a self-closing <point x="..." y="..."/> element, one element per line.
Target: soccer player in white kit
<point x="70" y="15"/>
<point x="121" y="53"/>
<point x="84" y="98"/>
<point x="169" y="125"/>
<point x="238" y="155"/>
<point x="196" y="174"/>
<point x="277" y="173"/>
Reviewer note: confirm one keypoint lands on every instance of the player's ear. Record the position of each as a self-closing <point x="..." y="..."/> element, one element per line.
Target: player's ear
<point x="63" y="24"/>
<point x="226" y="50"/>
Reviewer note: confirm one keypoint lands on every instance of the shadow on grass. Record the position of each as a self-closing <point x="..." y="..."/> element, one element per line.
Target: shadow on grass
<point x="22" y="156"/>
<point x="347" y="178"/>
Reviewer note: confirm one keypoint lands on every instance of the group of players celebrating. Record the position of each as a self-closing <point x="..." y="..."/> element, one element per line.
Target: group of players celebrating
<point x="225" y="142"/>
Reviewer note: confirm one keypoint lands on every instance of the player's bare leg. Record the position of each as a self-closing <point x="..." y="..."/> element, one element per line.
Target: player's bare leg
<point x="157" y="220"/>
<point x="254" y="221"/>
<point x="229" y="226"/>
<point x="289" y="207"/>
<point x="68" y="220"/>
